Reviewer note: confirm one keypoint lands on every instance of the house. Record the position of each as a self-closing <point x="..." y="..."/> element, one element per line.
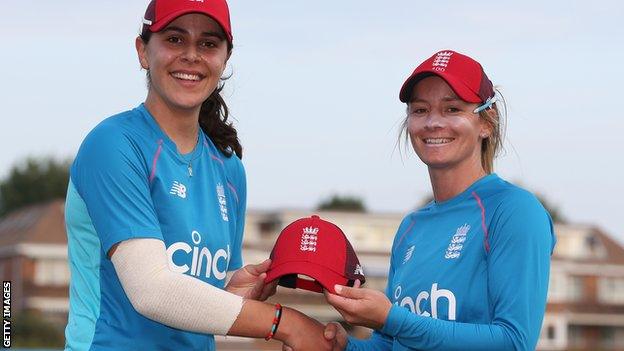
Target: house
<point x="33" y="256"/>
<point x="586" y="292"/>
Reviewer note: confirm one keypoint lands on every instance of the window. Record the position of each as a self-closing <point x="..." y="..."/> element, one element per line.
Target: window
<point x="607" y="337"/>
<point x="576" y="288"/>
<point x="51" y="272"/>
<point x="611" y="290"/>
<point x="557" y="289"/>
<point x="575" y="336"/>
<point x="550" y="332"/>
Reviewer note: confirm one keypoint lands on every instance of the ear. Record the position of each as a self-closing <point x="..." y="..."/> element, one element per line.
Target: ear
<point x="486" y="126"/>
<point x="141" y="49"/>
<point x="228" y="56"/>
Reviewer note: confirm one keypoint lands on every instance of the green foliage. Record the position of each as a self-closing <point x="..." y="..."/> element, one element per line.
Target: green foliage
<point x="30" y="330"/>
<point x="342" y="203"/>
<point x="32" y="181"/>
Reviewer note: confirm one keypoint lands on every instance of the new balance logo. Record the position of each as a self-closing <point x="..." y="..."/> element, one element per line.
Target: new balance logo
<point x="456" y="245"/>
<point x="359" y="270"/>
<point x="178" y="189"/>
<point x="308" y="239"/>
<point x="408" y="254"/>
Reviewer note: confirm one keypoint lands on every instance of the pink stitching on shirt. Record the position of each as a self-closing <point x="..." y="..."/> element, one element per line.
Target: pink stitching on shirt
<point x="233" y="190"/>
<point x="216" y="158"/>
<point x="153" y="174"/>
<point x="485" y="240"/>
<point x="406" y="231"/>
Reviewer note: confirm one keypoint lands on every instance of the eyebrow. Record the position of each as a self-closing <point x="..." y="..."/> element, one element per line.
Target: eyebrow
<point x="203" y="34"/>
<point x="446" y="98"/>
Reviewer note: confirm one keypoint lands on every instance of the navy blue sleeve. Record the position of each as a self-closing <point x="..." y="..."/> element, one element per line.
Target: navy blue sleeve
<point x="238" y="187"/>
<point x="521" y="242"/>
<point x="111" y="177"/>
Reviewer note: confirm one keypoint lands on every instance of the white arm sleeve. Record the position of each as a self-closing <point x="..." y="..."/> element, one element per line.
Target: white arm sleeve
<point x="171" y="298"/>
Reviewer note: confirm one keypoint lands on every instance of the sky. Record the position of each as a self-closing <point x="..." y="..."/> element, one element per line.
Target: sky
<point x="314" y="92"/>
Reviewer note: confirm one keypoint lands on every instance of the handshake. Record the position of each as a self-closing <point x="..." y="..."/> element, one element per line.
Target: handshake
<point x="319" y="250"/>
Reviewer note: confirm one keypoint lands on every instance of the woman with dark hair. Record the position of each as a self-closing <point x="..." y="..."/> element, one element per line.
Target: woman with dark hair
<point x="156" y="206"/>
<point x="468" y="271"/>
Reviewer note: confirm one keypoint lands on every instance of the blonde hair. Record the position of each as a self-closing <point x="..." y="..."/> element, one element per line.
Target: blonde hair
<point x="492" y="146"/>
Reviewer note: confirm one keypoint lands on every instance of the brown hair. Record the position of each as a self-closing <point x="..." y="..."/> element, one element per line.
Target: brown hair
<point x="213" y="116"/>
<point x="491" y="146"/>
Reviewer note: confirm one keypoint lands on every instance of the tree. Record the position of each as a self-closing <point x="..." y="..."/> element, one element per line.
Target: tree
<point x="32" y="330"/>
<point x="342" y="203"/>
<point x="33" y="181"/>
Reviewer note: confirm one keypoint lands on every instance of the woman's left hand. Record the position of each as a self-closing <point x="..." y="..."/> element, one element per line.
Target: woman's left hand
<point x="248" y="282"/>
<point x="359" y="306"/>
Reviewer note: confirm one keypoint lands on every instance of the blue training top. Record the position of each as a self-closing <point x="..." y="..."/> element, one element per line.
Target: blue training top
<point x="129" y="181"/>
<point x="470" y="273"/>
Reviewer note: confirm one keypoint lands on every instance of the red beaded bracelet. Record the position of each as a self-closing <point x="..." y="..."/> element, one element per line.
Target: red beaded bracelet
<point x="276" y="321"/>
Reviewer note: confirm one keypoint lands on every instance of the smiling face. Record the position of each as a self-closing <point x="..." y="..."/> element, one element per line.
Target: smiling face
<point x="444" y="131"/>
<point x="185" y="62"/>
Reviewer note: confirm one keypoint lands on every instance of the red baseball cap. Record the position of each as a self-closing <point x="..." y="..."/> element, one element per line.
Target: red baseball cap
<point x="465" y="76"/>
<point x="160" y="13"/>
<point x="315" y="248"/>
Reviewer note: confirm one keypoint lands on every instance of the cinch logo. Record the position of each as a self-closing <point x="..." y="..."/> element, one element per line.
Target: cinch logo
<point x="434" y="295"/>
<point x="178" y="189"/>
<point x="202" y="259"/>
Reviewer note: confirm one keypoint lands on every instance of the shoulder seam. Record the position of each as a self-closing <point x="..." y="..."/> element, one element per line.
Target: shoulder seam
<point x="486" y="242"/>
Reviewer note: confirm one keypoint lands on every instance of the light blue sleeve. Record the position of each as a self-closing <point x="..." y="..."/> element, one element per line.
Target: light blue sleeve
<point x="521" y="242"/>
<point x="237" y="177"/>
<point x="111" y="177"/>
<point x="378" y="340"/>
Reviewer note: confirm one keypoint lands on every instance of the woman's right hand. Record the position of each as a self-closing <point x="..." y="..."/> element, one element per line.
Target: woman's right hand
<point x="299" y="332"/>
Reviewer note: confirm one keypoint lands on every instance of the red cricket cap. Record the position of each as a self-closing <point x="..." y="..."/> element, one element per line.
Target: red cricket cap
<point x="160" y="13"/>
<point x="465" y="76"/>
<point x="315" y="248"/>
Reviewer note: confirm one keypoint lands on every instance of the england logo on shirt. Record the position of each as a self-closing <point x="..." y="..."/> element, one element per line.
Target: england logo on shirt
<point x="456" y="245"/>
<point x="222" y="203"/>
